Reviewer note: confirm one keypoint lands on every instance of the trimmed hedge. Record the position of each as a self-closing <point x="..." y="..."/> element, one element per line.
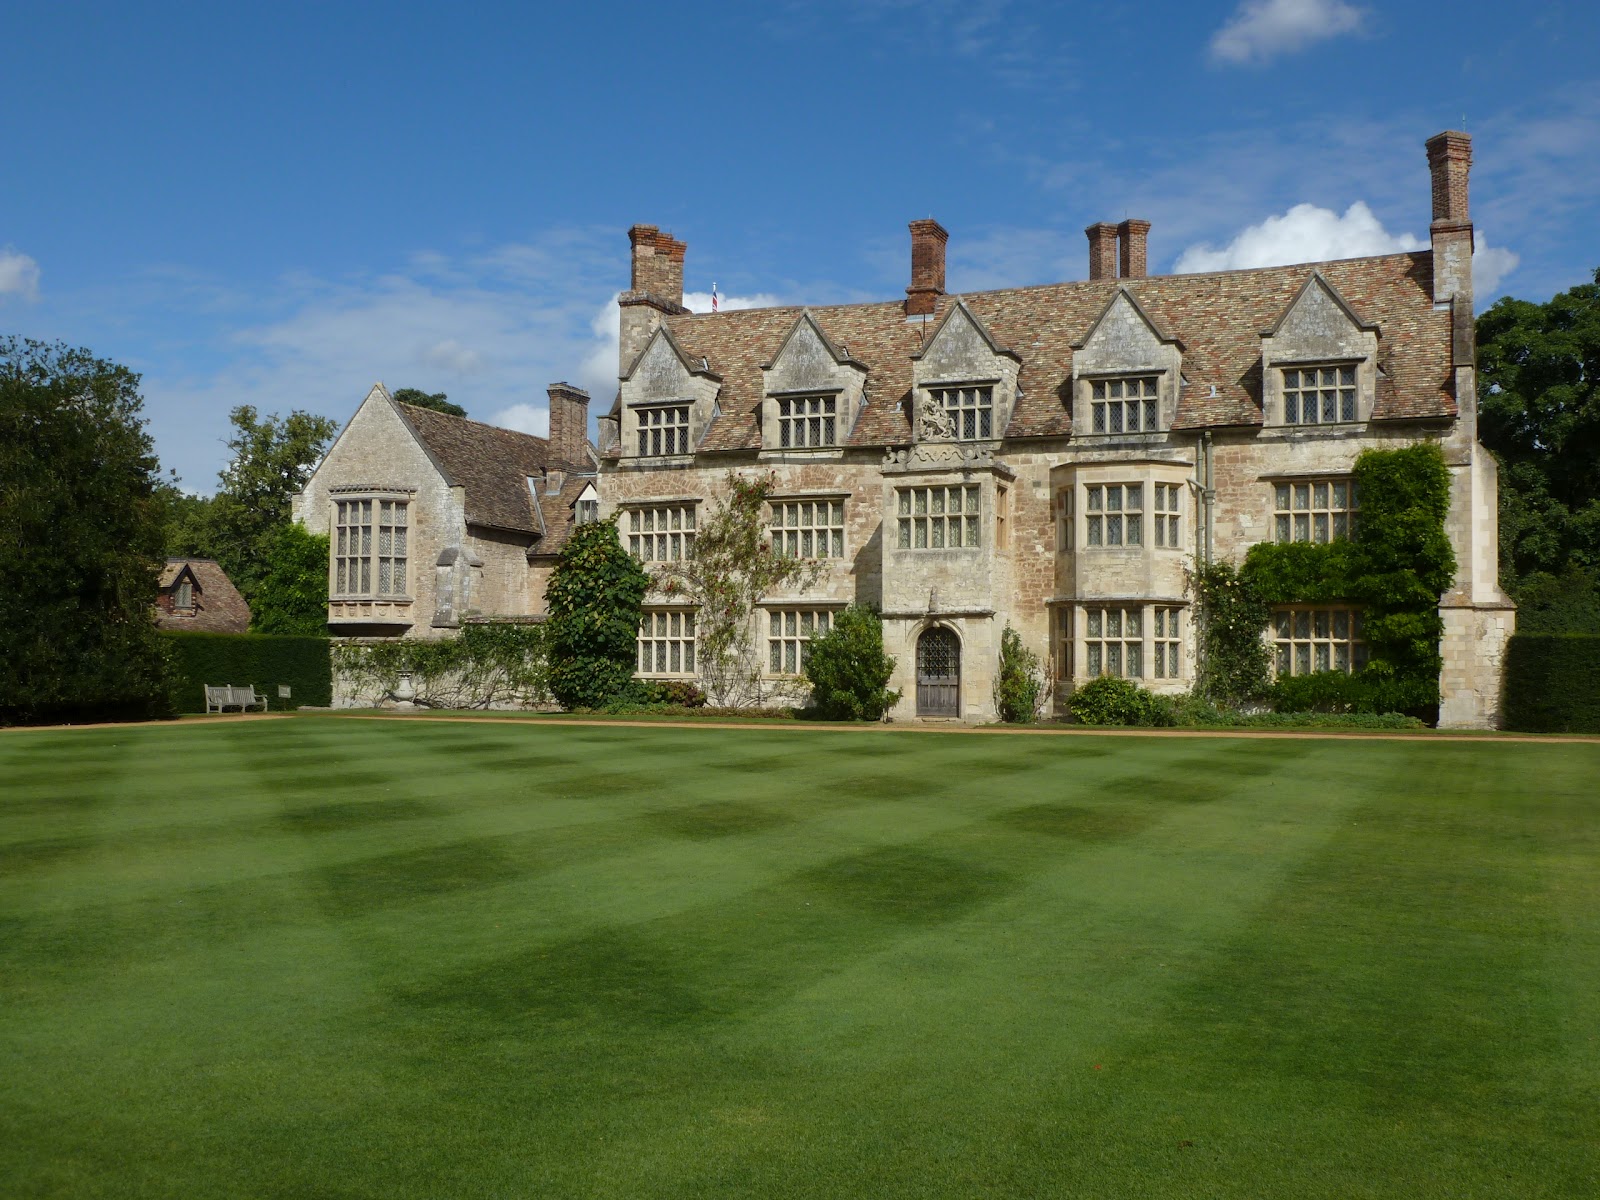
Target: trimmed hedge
<point x="265" y="660"/>
<point x="1553" y="683"/>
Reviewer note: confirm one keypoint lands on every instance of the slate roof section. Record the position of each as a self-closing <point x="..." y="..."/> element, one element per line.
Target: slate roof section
<point x="218" y="606"/>
<point x="560" y="512"/>
<point x="491" y="463"/>
<point x="1218" y="318"/>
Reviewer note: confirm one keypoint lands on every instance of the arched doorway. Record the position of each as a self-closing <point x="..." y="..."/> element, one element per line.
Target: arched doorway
<point x="938" y="673"/>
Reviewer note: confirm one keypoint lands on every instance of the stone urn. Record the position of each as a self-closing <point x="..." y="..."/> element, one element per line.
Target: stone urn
<point x="405" y="692"/>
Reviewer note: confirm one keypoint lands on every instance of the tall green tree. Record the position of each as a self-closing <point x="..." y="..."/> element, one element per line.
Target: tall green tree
<point x="594" y="595"/>
<point x="292" y="596"/>
<point x="80" y="541"/>
<point x="437" y="401"/>
<point x="1539" y="406"/>
<point x="271" y="459"/>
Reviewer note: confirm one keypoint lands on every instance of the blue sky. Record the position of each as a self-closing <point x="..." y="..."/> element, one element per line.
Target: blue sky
<point x="278" y="204"/>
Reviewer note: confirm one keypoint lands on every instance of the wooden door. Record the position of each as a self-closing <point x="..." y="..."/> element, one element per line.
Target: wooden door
<point x="938" y="674"/>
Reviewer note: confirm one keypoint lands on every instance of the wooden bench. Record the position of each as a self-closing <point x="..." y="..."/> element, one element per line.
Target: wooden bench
<point x="227" y="696"/>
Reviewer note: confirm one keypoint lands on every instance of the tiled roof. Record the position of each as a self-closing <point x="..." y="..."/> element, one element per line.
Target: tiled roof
<point x="559" y="512"/>
<point x="1219" y="319"/>
<point x="218" y="606"/>
<point x="491" y="463"/>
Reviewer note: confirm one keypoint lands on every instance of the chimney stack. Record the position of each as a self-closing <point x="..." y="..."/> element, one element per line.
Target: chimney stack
<point x="1102" y="250"/>
<point x="1134" y="236"/>
<point x="1450" y="162"/>
<point x="928" y="240"/>
<point x="569" y="423"/>
<point x="655" y="290"/>
<point x="657" y="264"/>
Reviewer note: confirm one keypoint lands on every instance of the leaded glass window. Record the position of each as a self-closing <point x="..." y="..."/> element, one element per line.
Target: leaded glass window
<point x="1127" y="405"/>
<point x="937" y="518"/>
<point x="666" y="643"/>
<point x="1306" y="640"/>
<point x="1319" y="395"/>
<point x="1114" y="514"/>
<point x="1314" y="510"/>
<point x="661" y="533"/>
<point x="808" y="528"/>
<point x="971" y="408"/>
<point x="805" y="421"/>
<point x="788" y="632"/>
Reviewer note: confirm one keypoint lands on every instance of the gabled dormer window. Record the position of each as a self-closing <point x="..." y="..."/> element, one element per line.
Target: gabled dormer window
<point x="1129" y="404"/>
<point x="1319" y="395"/>
<point x="664" y="429"/>
<point x="185" y="598"/>
<point x="971" y="410"/>
<point x="807" y="421"/>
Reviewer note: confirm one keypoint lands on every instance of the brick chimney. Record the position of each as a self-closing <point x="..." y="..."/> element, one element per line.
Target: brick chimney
<point x="1450" y="162"/>
<point x="928" y="240"/>
<point x="655" y="290"/>
<point x="1102" y="250"/>
<point x="1133" y="236"/>
<point x="569" y="423"/>
<point x="657" y="263"/>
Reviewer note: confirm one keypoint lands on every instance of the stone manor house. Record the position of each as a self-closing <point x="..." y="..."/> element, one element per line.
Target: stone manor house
<point x="1047" y="457"/>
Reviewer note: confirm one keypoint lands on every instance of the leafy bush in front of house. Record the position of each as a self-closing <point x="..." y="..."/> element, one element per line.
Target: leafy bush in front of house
<point x="595" y="596"/>
<point x="848" y="671"/>
<point x="489" y="664"/>
<point x="1109" y="700"/>
<point x="1020" y="689"/>
<point x="267" y="661"/>
<point x="1339" y="692"/>
<point x="1553" y="683"/>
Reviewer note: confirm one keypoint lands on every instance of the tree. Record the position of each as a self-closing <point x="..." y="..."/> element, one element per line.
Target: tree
<point x="592" y="635"/>
<point x="848" y="671"/>
<point x="80" y="541"/>
<point x="1020" y="687"/>
<point x="272" y="459"/>
<point x="185" y="521"/>
<point x="731" y="569"/>
<point x="292" y="596"/>
<point x="1539" y="411"/>
<point x="434" y="400"/>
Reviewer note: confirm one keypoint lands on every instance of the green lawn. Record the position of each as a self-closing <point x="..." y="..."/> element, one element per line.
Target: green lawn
<point x="324" y="957"/>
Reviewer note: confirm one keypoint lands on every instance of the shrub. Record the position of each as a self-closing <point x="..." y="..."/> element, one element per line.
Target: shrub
<point x="595" y="595"/>
<point x="1553" y="683"/>
<point x="681" y="693"/>
<point x="1020" y="689"/>
<point x="1109" y="700"/>
<point x="263" y="660"/>
<point x="489" y="664"/>
<point x="1230" y="615"/>
<point x="848" y="671"/>
<point x="1366" y="692"/>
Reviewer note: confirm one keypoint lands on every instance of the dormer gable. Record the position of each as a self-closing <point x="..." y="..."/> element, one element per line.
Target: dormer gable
<point x="812" y="391"/>
<point x="964" y="383"/>
<point x="1318" y="360"/>
<point x="667" y="399"/>
<point x="1126" y="372"/>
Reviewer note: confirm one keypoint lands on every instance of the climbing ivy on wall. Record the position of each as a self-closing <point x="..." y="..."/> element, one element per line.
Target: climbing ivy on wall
<point x="1396" y="567"/>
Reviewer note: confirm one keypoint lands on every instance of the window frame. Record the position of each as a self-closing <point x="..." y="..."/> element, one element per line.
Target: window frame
<point x="1284" y="633"/>
<point x="1342" y="392"/>
<point x="370" y="557"/>
<point x="981" y="413"/>
<point x="936" y="519"/>
<point x="680" y="537"/>
<point x="1286" y="509"/>
<point x="1099" y="519"/>
<point x="650" y="423"/>
<point x="677" y="640"/>
<point x="787" y="638"/>
<point x="1106" y="410"/>
<point x="1099" y="640"/>
<point x="830" y="409"/>
<point x="781" y="535"/>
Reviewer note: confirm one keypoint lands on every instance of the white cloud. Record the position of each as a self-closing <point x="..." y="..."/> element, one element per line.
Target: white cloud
<point x="700" y="302"/>
<point x="19" y="274"/>
<point x="1260" y="30"/>
<point x="1306" y="233"/>
<point x="526" y="418"/>
<point x="451" y="355"/>
<point x="1490" y="264"/>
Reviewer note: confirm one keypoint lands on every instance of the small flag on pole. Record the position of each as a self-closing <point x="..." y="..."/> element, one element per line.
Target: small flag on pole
<point x="713" y="297"/>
